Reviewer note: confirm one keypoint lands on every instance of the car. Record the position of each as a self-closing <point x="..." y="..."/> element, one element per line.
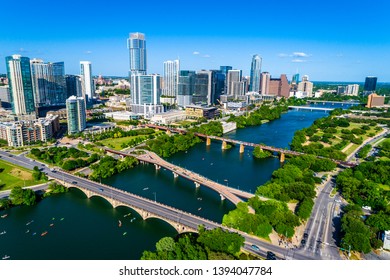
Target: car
<point x="10" y="155"/>
<point x="305" y="235"/>
<point x="271" y="255"/>
<point x="74" y="182"/>
<point x="255" y="247"/>
<point x="101" y="189"/>
<point x="303" y="241"/>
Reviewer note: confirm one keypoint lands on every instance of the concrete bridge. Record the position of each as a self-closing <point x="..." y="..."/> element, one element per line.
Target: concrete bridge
<point x="243" y="144"/>
<point x="334" y="102"/>
<point x="231" y="194"/>
<point x="117" y="197"/>
<point x="307" y="108"/>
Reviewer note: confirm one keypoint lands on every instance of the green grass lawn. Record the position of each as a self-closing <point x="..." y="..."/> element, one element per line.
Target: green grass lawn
<point x="13" y="175"/>
<point x="116" y="143"/>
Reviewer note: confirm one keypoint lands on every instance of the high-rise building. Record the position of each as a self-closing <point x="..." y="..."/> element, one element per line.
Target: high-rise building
<point x="370" y="84"/>
<point x="171" y="78"/>
<point x="146" y="97"/>
<point x="218" y="85"/>
<point x="48" y="81"/>
<point x="20" y="82"/>
<point x="306" y="87"/>
<point x="232" y="76"/>
<point x="265" y="82"/>
<point x="186" y="87"/>
<point x="137" y="48"/>
<point x="352" y="89"/>
<point x="224" y="70"/>
<point x="87" y="84"/>
<point x="203" y="90"/>
<point x="75" y="109"/>
<point x="73" y="86"/>
<point x="255" y="74"/>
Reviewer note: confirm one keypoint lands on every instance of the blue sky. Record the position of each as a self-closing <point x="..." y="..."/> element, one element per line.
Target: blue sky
<point x="329" y="41"/>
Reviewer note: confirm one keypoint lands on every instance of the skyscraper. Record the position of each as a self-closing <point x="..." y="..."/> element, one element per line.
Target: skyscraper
<point x="171" y="78"/>
<point x="254" y="84"/>
<point x="186" y="87"/>
<point x="203" y="90"/>
<point x="48" y="81"/>
<point x="370" y="84"/>
<point x="73" y="86"/>
<point x="146" y="95"/>
<point x="224" y="70"/>
<point x="265" y="82"/>
<point x="20" y="83"/>
<point x="75" y="109"/>
<point x="137" y="48"/>
<point x="232" y="76"/>
<point x="87" y="84"/>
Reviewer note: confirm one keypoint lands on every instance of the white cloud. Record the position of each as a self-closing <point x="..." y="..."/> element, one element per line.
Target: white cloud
<point x="298" y="60"/>
<point x="283" y="55"/>
<point x="196" y="53"/>
<point x="206" y="56"/>
<point x="300" y="54"/>
<point x="88" y="52"/>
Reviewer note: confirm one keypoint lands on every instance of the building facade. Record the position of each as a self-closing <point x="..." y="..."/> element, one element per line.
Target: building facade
<point x="255" y="75"/>
<point x="306" y="86"/>
<point x="73" y="86"/>
<point x="20" y="84"/>
<point x="75" y="109"/>
<point x="370" y="84"/>
<point x="375" y="100"/>
<point x="232" y="77"/>
<point x="87" y="84"/>
<point x="22" y="133"/>
<point x="186" y="87"/>
<point x="49" y="84"/>
<point x="146" y="95"/>
<point x="171" y="78"/>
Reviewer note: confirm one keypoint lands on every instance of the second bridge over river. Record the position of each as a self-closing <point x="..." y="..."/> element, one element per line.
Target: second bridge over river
<point x="233" y="195"/>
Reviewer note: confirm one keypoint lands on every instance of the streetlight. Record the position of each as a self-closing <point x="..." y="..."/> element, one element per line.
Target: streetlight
<point x="155" y="196"/>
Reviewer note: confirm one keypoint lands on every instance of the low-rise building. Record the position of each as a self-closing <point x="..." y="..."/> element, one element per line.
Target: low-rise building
<point x="122" y="115"/>
<point x="97" y="128"/>
<point x="169" y="117"/>
<point x="375" y="100"/>
<point x="21" y="133"/>
<point x="193" y="111"/>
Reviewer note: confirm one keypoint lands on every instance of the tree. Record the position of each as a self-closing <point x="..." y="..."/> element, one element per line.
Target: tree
<point x="165" y="244"/>
<point x="221" y="241"/>
<point x="16" y="195"/>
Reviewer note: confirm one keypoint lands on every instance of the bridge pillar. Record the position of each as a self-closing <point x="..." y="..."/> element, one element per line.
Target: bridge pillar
<point x="222" y="197"/>
<point x="281" y="157"/>
<point x="175" y="175"/>
<point x="197" y="185"/>
<point x="224" y="145"/>
<point x="208" y="141"/>
<point x="168" y="132"/>
<point x="157" y="166"/>
<point x="242" y="147"/>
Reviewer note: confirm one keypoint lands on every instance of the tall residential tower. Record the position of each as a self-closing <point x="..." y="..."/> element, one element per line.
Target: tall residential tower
<point x="254" y="84"/>
<point x="87" y="84"/>
<point x="171" y="78"/>
<point x="20" y="84"/>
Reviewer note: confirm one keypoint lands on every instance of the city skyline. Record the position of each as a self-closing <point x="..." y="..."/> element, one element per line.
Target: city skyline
<point x="326" y="41"/>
